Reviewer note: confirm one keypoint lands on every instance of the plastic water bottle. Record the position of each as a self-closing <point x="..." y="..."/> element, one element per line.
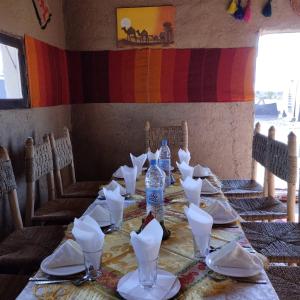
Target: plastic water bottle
<point x="165" y="161"/>
<point x="154" y="182"/>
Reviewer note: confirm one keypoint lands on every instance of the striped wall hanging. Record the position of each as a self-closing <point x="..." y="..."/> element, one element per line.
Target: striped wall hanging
<point x="140" y="76"/>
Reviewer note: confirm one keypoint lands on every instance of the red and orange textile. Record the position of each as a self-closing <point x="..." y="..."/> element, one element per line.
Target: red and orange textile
<point x="47" y="74"/>
<point x="140" y="76"/>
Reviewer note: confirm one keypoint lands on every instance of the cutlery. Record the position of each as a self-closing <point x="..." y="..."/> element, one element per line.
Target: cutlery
<point x="42" y="281"/>
<point x="250" y="281"/>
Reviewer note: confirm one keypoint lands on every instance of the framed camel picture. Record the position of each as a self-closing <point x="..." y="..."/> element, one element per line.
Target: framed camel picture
<point x="145" y="26"/>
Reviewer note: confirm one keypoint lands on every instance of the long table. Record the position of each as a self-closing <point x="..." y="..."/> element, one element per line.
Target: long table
<point x="176" y="256"/>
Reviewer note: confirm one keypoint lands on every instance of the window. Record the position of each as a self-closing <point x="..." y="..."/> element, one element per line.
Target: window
<point x="13" y="87"/>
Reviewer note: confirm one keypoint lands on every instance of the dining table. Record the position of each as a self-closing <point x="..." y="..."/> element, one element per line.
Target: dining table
<point x="176" y="256"/>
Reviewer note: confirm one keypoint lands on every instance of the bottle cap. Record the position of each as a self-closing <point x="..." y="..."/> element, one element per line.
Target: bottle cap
<point x="164" y="142"/>
<point x="153" y="162"/>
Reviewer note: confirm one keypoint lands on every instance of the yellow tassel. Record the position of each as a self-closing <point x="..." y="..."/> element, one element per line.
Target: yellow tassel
<point x="232" y="8"/>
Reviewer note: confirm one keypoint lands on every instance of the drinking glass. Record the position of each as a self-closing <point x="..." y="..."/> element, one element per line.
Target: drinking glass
<point x="147" y="272"/>
<point x="92" y="262"/>
<point x="201" y="246"/>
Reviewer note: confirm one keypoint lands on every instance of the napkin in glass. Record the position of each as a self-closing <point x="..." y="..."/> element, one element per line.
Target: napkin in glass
<point x="192" y="189"/>
<point x="115" y="203"/>
<point x="146" y="244"/>
<point x="129" y="175"/>
<point x="207" y="187"/>
<point x="90" y="237"/>
<point x="200" y="171"/>
<point x="153" y="155"/>
<point x="220" y="210"/>
<point x="201" y="225"/>
<point x="185" y="170"/>
<point x="67" y="254"/>
<point x="111" y="186"/>
<point x="233" y="255"/>
<point x="139" y="162"/>
<point x="184" y="156"/>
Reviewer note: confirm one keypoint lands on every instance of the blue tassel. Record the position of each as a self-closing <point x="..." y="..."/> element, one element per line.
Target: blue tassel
<point x="267" y="10"/>
<point x="239" y="14"/>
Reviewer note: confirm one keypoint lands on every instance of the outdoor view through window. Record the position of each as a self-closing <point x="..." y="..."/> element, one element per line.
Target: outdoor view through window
<point x="277" y="86"/>
<point x="10" y="79"/>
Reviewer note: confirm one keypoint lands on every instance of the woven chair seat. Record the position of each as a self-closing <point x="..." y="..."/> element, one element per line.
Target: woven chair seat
<point x="62" y="211"/>
<point x="265" y="208"/>
<point x="241" y="188"/>
<point x="12" y="285"/>
<point x="285" y="281"/>
<point x="24" y="249"/>
<point x="82" y="189"/>
<point x="279" y="242"/>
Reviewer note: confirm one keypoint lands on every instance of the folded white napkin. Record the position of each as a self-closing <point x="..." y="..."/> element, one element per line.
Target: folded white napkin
<point x="201" y="225"/>
<point x="184" y="156"/>
<point x="207" y="187"/>
<point x="220" y="210"/>
<point x="233" y="255"/>
<point x="100" y="214"/>
<point x="131" y="289"/>
<point x="153" y="155"/>
<point x="115" y="203"/>
<point x="192" y="189"/>
<point x="129" y="175"/>
<point x="139" y="162"/>
<point x="185" y="170"/>
<point x="111" y="186"/>
<point x="118" y="173"/>
<point x="67" y="254"/>
<point x="200" y="171"/>
<point x="146" y="244"/>
<point x="88" y="234"/>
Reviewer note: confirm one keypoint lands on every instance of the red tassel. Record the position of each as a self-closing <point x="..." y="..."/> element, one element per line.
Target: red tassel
<point x="248" y="13"/>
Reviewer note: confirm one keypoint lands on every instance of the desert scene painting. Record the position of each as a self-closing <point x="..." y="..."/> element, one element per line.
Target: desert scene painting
<point x="145" y="26"/>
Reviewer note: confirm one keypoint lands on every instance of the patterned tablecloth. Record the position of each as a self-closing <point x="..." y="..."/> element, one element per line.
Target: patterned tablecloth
<point x="176" y="256"/>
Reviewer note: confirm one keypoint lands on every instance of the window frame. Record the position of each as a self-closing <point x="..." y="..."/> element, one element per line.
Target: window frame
<point x="16" y="42"/>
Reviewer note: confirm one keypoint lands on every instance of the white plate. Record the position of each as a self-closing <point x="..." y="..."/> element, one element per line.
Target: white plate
<point x="172" y="292"/>
<point x="63" y="271"/>
<point x="234" y="272"/>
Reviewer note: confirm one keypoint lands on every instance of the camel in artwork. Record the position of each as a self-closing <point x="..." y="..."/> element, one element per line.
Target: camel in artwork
<point x="131" y="33"/>
<point x="144" y="36"/>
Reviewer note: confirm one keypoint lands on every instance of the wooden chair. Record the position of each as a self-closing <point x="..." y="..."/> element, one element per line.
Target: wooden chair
<point x="281" y="162"/>
<point x="177" y="137"/>
<point x="245" y="188"/>
<point x="63" y="158"/>
<point x="279" y="241"/>
<point x="24" y="249"/>
<point x="12" y="285"/>
<point x="39" y="163"/>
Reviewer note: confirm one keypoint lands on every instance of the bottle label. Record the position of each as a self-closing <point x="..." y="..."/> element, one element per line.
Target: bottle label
<point x="165" y="164"/>
<point x="154" y="196"/>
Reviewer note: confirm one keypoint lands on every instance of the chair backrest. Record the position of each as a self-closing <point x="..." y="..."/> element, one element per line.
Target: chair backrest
<point x="8" y="187"/>
<point x="38" y="163"/>
<point x="282" y="162"/>
<point x="177" y="137"/>
<point x="62" y="157"/>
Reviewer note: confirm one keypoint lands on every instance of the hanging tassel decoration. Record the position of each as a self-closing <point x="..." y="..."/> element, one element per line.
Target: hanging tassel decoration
<point x="239" y="14"/>
<point x="267" y="10"/>
<point x="232" y="8"/>
<point x="247" y="12"/>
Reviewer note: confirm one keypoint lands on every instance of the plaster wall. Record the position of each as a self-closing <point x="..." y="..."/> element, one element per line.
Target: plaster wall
<point x="220" y="134"/>
<point x="18" y="17"/>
